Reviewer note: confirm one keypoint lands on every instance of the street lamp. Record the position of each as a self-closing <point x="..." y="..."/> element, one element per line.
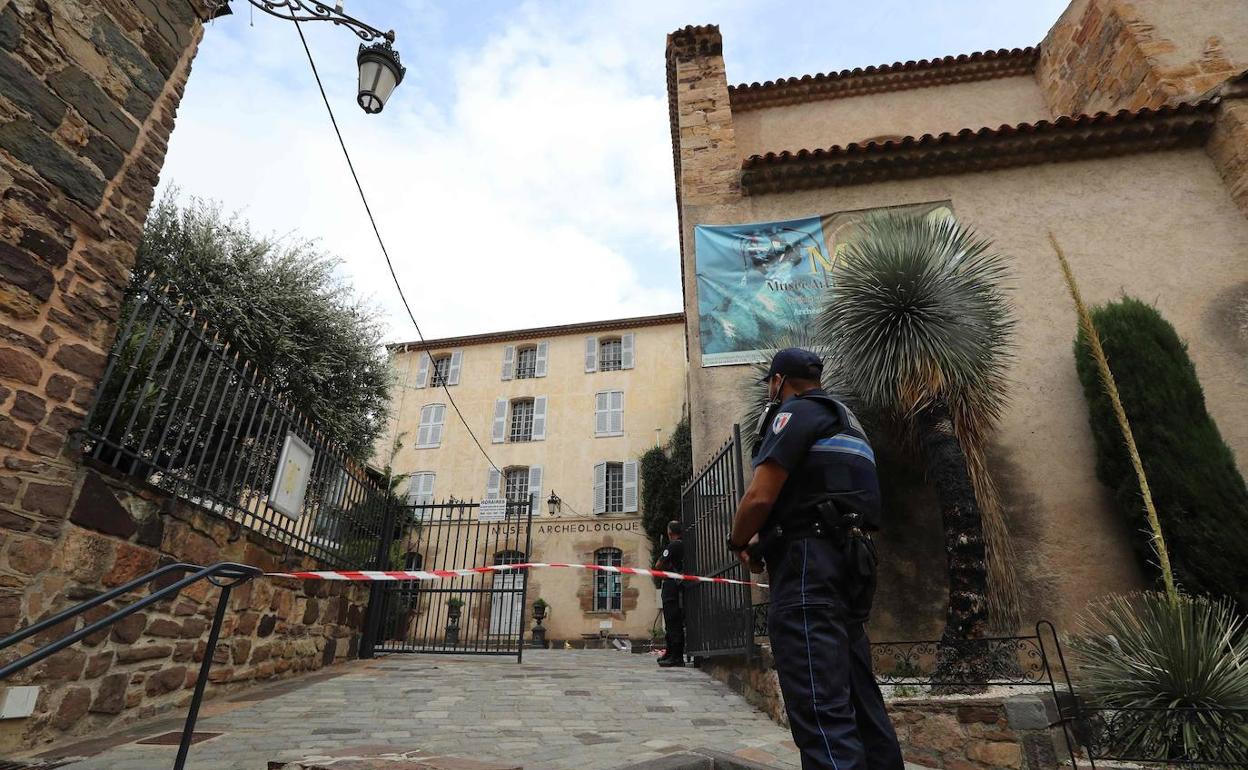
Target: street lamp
<point x="379" y="66"/>
<point x="380" y="72"/>
<point x="553" y="503"/>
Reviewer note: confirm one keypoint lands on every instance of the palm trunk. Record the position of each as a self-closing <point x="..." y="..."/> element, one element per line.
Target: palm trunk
<point x="965" y="554"/>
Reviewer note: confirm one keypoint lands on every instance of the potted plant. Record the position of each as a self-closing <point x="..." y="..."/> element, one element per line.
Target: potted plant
<point x="453" y="607"/>
<point x="539" y="631"/>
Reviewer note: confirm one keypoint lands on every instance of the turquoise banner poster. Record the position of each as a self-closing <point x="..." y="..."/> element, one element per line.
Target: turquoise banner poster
<point x="757" y="282"/>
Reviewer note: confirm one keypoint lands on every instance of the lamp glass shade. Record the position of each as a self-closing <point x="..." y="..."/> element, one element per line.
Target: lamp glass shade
<point x="552" y="504"/>
<point x="379" y="74"/>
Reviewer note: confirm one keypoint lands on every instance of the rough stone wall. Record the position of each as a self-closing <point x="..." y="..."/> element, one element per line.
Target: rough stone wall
<point x="955" y="734"/>
<point x="88" y="92"/>
<point x="1107" y="55"/>
<point x="148" y="662"/>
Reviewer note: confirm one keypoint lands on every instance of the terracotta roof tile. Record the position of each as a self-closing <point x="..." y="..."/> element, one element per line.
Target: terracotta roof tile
<point x="1066" y="138"/>
<point x="539" y="332"/>
<point x="982" y="65"/>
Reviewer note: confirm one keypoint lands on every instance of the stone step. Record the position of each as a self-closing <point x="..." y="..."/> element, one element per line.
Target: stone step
<point x="385" y="758"/>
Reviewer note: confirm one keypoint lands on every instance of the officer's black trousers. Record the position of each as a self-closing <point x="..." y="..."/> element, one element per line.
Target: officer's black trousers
<point x="835" y="708"/>
<point x="674" y="622"/>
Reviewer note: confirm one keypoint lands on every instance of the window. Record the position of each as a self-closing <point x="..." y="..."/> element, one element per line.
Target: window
<point x="516" y="485"/>
<point x="615" y="487"/>
<point x="610" y="355"/>
<point x="420" y="489"/>
<point x="429" y="434"/>
<point x="521" y="420"/>
<point x="526" y="363"/>
<point x="608" y="586"/>
<point x="440" y="370"/>
<point x="609" y="413"/>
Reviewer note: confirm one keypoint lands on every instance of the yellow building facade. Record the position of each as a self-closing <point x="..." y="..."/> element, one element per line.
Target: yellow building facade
<point x="563" y="412"/>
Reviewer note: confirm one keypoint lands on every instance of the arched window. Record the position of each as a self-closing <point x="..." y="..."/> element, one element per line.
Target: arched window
<point x="608" y="586"/>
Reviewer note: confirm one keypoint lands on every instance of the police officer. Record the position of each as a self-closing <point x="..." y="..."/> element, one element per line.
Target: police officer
<point x="673" y="560"/>
<point x="805" y="515"/>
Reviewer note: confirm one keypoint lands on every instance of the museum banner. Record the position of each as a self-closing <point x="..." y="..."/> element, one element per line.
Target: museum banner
<point x="757" y="282"/>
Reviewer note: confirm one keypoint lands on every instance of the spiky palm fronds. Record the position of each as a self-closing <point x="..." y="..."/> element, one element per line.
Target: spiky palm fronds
<point x="916" y="313"/>
<point x="1155" y="655"/>
<point x="917" y="318"/>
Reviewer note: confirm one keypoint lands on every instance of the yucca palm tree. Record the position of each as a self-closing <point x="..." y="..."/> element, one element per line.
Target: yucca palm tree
<point x="917" y="327"/>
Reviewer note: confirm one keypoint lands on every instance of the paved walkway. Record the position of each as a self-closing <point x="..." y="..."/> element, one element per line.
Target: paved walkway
<point x="559" y="710"/>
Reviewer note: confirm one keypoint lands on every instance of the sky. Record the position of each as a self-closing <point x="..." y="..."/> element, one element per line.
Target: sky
<point x="521" y="174"/>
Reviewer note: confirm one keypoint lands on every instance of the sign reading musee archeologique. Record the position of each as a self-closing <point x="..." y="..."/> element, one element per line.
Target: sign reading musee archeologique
<point x="757" y="282"/>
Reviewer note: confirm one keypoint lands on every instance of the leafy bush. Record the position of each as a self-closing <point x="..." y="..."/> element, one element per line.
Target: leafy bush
<point x="1146" y="651"/>
<point x="1200" y="497"/>
<point x="664" y="470"/>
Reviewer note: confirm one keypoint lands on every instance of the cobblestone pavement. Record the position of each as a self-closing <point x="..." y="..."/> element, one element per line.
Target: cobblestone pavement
<point x="559" y="710"/>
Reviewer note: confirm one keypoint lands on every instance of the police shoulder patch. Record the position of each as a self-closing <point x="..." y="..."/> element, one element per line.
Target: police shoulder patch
<point x="781" y="420"/>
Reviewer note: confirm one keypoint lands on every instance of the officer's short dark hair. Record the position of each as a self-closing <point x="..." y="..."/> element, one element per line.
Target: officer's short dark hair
<point x="673" y="527"/>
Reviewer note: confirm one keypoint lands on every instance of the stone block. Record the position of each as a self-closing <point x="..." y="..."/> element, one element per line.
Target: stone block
<point x="1027" y="712"/>
<point x="130" y="562"/>
<point x="12" y="435"/>
<point x="164" y="627"/>
<point x="62" y="169"/>
<point x="97" y="107"/>
<point x="267" y="624"/>
<point x="144" y="652"/>
<point x="9" y="485"/>
<point x="185" y="544"/>
<point x="81" y="359"/>
<point x="65" y="666"/>
<point x="47" y="499"/>
<point x="129" y="629"/>
<point x="166" y="680"/>
<point x="938" y="732"/>
<point x="20" y="339"/>
<point x="84" y="556"/>
<point x="52" y="251"/>
<point x="17" y="365"/>
<point x="45" y="442"/>
<point x="987" y="714"/>
<point x="23" y="271"/>
<point x="73" y="707"/>
<point x="995" y="753"/>
<point x="29" y="555"/>
<point x="20" y="86"/>
<point x="60" y="387"/>
<point x="28" y="407"/>
<point x="183" y="652"/>
<point x="110" y="698"/>
<point x="98" y="664"/>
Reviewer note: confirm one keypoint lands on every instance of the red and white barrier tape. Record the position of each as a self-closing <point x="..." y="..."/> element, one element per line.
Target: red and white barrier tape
<point x="442" y="574"/>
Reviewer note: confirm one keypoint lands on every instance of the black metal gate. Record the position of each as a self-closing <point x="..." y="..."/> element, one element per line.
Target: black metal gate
<point x="718" y="616"/>
<point x="480" y="614"/>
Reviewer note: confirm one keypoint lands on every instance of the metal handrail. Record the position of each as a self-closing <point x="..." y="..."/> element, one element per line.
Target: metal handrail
<point x="224" y="575"/>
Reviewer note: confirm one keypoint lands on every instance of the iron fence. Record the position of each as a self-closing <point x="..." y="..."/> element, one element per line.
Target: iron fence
<point x="178" y="409"/>
<point x="718" y="618"/>
<point x="479" y="614"/>
<point x="1164" y="736"/>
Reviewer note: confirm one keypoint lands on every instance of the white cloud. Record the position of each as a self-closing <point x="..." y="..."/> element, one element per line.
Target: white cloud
<point x="540" y="194"/>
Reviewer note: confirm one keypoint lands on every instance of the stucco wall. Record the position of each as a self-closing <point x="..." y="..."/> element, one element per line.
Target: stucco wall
<point x="654" y="398"/>
<point x="827" y="122"/>
<point x="1158" y="226"/>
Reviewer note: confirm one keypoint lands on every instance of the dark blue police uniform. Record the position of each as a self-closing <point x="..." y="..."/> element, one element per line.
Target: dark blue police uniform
<point x="673" y="610"/>
<point x="819" y="595"/>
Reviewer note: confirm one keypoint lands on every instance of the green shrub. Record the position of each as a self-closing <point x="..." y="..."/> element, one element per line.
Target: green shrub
<point x="1201" y="499"/>
<point x="1144" y="651"/>
<point x="664" y="470"/>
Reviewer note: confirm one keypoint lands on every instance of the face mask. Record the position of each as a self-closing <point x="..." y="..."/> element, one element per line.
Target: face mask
<point x="769" y="413"/>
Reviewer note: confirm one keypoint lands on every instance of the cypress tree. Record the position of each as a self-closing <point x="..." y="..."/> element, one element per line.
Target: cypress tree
<point x="1201" y="499"/>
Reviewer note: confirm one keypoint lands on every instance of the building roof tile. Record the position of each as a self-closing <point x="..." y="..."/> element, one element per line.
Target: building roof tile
<point x="539" y="332"/>
<point x="1066" y="138"/>
<point x="981" y="65"/>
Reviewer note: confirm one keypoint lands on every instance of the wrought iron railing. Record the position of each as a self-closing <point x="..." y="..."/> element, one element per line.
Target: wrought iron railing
<point x="178" y="409"/>
<point x="224" y="575"/>
<point x="717" y="615"/>
<point x="1164" y="736"/>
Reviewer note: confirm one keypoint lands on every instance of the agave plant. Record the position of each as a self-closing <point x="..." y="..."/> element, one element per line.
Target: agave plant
<point x="1167" y="677"/>
<point x="917" y="327"/>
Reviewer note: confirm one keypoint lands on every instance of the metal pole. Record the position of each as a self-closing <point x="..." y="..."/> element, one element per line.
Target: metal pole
<point x="372" y="620"/>
<point x="188" y="730"/>
<point x="524" y="583"/>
